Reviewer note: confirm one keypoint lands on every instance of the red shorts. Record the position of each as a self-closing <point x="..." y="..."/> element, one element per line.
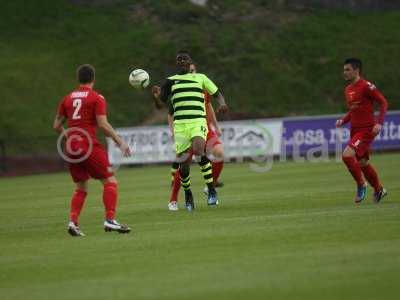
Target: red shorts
<point x="361" y="140"/>
<point x="212" y="139"/>
<point x="96" y="165"/>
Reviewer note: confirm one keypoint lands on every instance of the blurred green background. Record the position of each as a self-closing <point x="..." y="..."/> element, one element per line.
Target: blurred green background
<point x="268" y="57"/>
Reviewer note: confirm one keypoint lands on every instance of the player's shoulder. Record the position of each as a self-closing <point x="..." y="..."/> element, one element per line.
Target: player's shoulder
<point x="366" y="84"/>
<point x="172" y="77"/>
<point x="96" y="95"/>
<point x="68" y="97"/>
<point x="71" y="94"/>
<point x="201" y="75"/>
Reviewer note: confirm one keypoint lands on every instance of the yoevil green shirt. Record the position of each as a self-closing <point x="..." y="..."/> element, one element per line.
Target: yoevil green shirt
<point x="185" y="93"/>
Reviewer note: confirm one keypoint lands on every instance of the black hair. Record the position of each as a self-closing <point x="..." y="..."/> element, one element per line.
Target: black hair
<point x="183" y="52"/>
<point x="85" y="74"/>
<point x="354" y="62"/>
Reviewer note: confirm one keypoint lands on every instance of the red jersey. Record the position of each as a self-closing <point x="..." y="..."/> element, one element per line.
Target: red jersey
<point x="360" y="98"/>
<point x="81" y="108"/>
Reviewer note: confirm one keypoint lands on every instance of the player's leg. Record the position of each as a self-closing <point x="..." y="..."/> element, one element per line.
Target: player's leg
<point x="215" y="150"/>
<point x="174" y="170"/>
<point x="77" y="201"/>
<point x="350" y="160"/>
<point x="373" y="179"/>
<point x="176" y="186"/>
<point x="80" y="177"/>
<point x="183" y="156"/>
<point x="184" y="169"/>
<point x="218" y="162"/>
<point x="198" y="145"/>
<point x="110" y="199"/>
<point x="99" y="167"/>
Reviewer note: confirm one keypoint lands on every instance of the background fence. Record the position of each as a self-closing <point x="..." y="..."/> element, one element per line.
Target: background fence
<point x="286" y="137"/>
<point x="251" y="138"/>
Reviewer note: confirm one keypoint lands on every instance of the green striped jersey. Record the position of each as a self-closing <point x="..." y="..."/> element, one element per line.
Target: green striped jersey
<point x="186" y="95"/>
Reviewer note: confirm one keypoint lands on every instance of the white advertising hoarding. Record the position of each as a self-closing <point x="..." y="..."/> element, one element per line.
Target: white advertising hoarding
<point x="154" y="144"/>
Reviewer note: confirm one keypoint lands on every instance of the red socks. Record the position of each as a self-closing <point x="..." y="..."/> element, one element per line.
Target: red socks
<point x="110" y="195"/>
<point x="176" y="186"/>
<point x="354" y="169"/>
<point x="77" y="201"/>
<point x="216" y="170"/>
<point x="372" y="177"/>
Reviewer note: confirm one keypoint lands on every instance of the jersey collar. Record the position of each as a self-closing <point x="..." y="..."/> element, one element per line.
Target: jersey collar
<point x="357" y="82"/>
<point x="84" y="87"/>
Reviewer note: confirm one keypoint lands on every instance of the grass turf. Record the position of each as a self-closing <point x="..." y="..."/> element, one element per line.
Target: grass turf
<point x="292" y="233"/>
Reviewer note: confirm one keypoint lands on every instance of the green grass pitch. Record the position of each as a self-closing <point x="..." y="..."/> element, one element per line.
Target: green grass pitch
<point x="292" y="233"/>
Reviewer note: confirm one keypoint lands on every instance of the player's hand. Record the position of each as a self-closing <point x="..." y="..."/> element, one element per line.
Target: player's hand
<point x="339" y="123"/>
<point x="222" y="108"/>
<point x="126" y="152"/>
<point x="377" y="128"/>
<point x="156" y="91"/>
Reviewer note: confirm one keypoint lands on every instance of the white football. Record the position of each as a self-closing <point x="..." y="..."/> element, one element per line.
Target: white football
<point x="139" y="79"/>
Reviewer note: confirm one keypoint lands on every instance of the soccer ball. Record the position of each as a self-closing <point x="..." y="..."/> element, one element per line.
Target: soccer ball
<point x="139" y="79"/>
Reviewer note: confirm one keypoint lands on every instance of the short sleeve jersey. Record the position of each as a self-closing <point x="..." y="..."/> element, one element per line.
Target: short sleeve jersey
<point x="81" y="108"/>
<point x="185" y="92"/>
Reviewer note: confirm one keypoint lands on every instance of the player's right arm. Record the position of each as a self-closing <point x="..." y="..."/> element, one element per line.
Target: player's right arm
<point x="161" y="94"/>
<point x="171" y="117"/>
<point x="60" y="118"/>
<point x="345" y="119"/>
<point x="156" y="92"/>
<point x="171" y="123"/>
<point x="58" y="123"/>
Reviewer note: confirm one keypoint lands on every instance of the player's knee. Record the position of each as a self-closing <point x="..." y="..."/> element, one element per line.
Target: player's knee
<point x="111" y="179"/>
<point x="218" y="152"/>
<point x="363" y="162"/>
<point x="184" y="170"/>
<point x="82" y="186"/>
<point x="348" y="152"/>
<point x="198" y="146"/>
<point x="198" y="150"/>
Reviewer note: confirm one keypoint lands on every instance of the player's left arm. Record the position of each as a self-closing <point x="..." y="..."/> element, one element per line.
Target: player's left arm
<point x="212" y="89"/>
<point x="377" y="96"/>
<point x="212" y="118"/>
<point x="223" y="107"/>
<point x="107" y="128"/>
